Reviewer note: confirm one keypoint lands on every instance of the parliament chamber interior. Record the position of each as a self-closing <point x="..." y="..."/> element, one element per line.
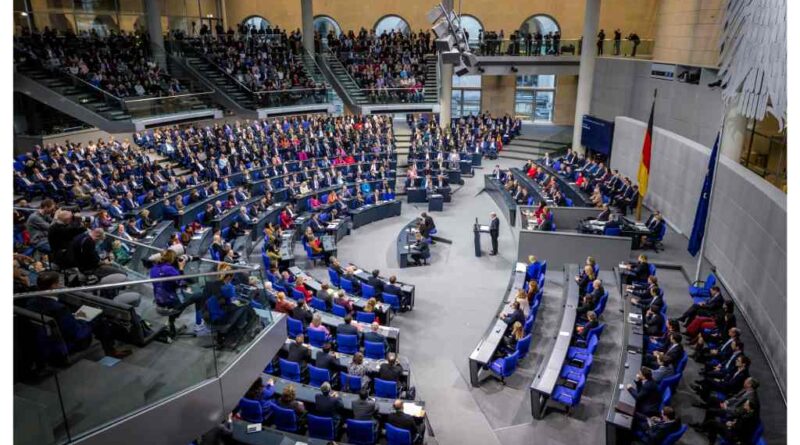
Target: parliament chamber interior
<point x="227" y="214"/>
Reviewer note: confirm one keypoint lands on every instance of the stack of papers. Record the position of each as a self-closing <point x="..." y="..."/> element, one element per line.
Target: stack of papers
<point x="412" y="409"/>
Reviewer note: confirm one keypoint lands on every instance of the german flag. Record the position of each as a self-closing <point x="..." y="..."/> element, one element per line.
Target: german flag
<point x="644" y="165"/>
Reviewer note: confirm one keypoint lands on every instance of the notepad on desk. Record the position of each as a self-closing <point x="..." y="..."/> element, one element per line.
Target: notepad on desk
<point x="412" y="409"/>
<point x="87" y="313"/>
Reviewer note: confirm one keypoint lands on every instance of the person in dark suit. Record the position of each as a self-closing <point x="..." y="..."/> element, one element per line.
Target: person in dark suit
<point x="709" y="307"/>
<point x="375" y="337"/>
<point x="638" y="271"/>
<point x="494" y="232"/>
<point x="516" y="315"/>
<point x="645" y="391"/>
<point x="364" y="408"/>
<point x="347" y="327"/>
<point x="658" y="428"/>
<point x="298" y="352"/>
<point x="327" y="359"/>
<point x="590" y="300"/>
<point x="674" y="351"/>
<point x="391" y="370"/>
<point x="653" y="323"/>
<point x="581" y="332"/>
<point x="376" y="283"/>
<point x="399" y="419"/>
<point x="726" y="362"/>
<point x="737" y="429"/>
<point x="729" y="384"/>
<point x="727" y="408"/>
<point x="419" y="250"/>
<point x="327" y="403"/>
<point x="302" y="312"/>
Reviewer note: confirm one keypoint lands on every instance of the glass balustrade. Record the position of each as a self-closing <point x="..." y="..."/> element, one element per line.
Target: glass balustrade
<point x="565" y="47"/>
<point x="66" y="382"/>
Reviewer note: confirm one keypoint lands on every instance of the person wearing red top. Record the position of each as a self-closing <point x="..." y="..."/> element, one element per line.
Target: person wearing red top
<point x="349" y="160"/>
<point x="581" y="181"/>
<point x="286" y="220"/>
<point x="532" y="172"/>
<point x="299" y="286"/>
<point x="315" y="203"/>
<point x="282" y="304"/>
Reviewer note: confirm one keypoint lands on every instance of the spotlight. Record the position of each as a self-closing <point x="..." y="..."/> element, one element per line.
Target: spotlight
<point x="460" y="70"/>
<point x="451" y="57"/>
<point x="514" y="69"/>
<point x="469" y="60"/>
<point x="445" y="44"/>
<point x="481" y="70"/>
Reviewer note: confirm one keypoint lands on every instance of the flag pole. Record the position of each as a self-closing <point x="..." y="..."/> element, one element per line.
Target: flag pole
<point x="706" y="226"/>
<point x="641" y="197"/>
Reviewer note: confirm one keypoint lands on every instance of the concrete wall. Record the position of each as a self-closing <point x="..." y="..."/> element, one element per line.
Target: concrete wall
<point x="624" y="87"/>
<point x="688" y="31"/>
<point x="566" y="94"/>
<point x="746" y="237"/>
<point x="497" y="94"/>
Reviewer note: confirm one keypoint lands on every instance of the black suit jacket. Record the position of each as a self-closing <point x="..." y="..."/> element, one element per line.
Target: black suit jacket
<point x="346" y="329"/>
<point x="403" y="421"/>
<point x="390" y="373"/>
<point x="298" y="354"/>
<point x="327" y="406"/>
<point x="660" y="430"/>
<point x="377" y="283"/>
<point x="494" y="227"/>
<point x="364" y="409"/>
<point x="327" y="361"/>
<point x="376" y="338"/>
<point x="648" y="399"/>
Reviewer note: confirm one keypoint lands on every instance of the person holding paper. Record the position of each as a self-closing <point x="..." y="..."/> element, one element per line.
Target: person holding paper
<point x="399" y="419"/>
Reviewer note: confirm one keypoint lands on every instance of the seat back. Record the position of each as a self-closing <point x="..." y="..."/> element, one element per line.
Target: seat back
<point x="334" y="276"/>
<point x="346" y="284"/>
<point x="392" y="300"/>
<point x="349" y="383"/>
<point x="652" y="268"/>
<point x="321" y="427"/>
<point x="318" y="376"/>
<point x="596" y="331"/>
<point x="612" y="231"/>
<point x="510" y="364"/>
<point x="682" y="363"/>
<point x="338" y="310"/>
<point x="601" y="305"/>
<point x="385" y="388"/>
<point x="285" y="419"/>
<point x="289" y="370"/>
<point x="318" y="304"/>
<point x="397" y="436"/>
<point x="294" y="327"/>
<point x="316" y="338"/>
<point x="673" y="438"/>
<point x="367" y="291"/>
<point x="250" y="410"/>
<point x="347" y="343"/>
<point x="365" y="317"/>
<point x="529" y="323"/>
<point x="544" y="268"/>
<point x="297" y="295"/>
<point x="523" y="346"/>
<point x="666" y="396"/>
<point x="669" y="382"/>
<point x="711" y="281"/>
<point x="374" y="350"/>
<point x="265" y="260"/>
<point x="591" y="346"/>
<point x="361" y="432"/>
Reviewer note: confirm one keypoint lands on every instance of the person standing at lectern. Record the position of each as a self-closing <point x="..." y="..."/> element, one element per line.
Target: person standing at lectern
<point x="494" y="232"/>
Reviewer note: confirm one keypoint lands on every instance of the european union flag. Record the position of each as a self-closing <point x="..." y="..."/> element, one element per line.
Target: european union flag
<point x="700" y="216"/>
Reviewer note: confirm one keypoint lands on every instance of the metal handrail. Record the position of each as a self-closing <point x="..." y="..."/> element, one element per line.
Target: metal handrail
<point x="204" y="260"/>
<point x="67" y="290"/>
<point x="176" y="96"/>
<point x="360" y="88"/>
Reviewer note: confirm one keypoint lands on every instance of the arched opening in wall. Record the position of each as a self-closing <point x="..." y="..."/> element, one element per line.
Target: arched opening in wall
<point x="324" y="25"/>
<point x="540" y="23"/>
<point x="102" y="24"/>
<point x="472" y="26"/>
<point x="392" y="23"/>
<point x="255" y="24"/>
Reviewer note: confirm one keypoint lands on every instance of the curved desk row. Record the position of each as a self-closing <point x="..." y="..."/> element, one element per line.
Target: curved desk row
<point x="619" y="424"/>
<point x="547" y="375"/>
<point x="385" y="312"/>
<point x="404" y="240"/>
<point x="506" y="203"/>
<point x="375" y="212"/>
<point x="569" y="189"/>
<point x="533" y="187"/>
<point x="493" y="337"/>
<point x="408" y="291"/>
<point x="332" y="321"/>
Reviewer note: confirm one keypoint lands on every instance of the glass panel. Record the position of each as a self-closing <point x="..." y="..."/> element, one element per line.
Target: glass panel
<point x="472" y="26"/>
<point x="392" y="23"/>
<point x="102" y="24"/>
<point x="178" y="24"/>
<point x="51" y="5"/>
<point x="472" y="102"/>
<point x="466" y="81"/>
<point x="152" y="371"/>
<point x="455" y="104"/>
<point x="544" y="106"/>
<point x="257" y="23"/>
<point x="523" y="103"/>
<point x="547" y="81"/>
<point x="324" y="25"/>
<point x="537" y="81"/>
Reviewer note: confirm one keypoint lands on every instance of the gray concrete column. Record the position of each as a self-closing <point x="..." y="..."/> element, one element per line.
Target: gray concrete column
<point x="445" y="83"/>
<point x="153" y="11"/>
<point x="307" y="14"/>
<point x="223" y="12"/>
<point x="591" y="20"/>
<point x="733" y="133"/>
